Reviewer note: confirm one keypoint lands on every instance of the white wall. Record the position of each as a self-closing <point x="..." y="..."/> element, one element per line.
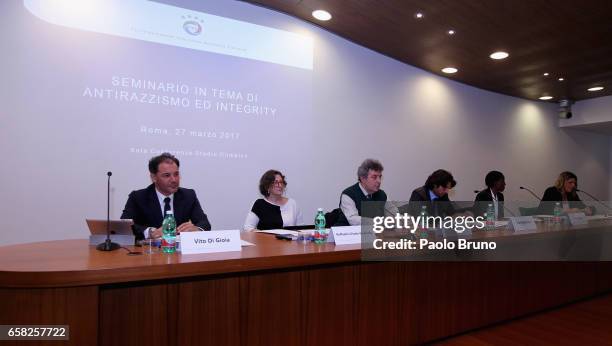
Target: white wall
<point x="610" y="174"/>
<point x="363" y="105"/>
<point x="594" y="115"/>
<point x="591" y="111"/>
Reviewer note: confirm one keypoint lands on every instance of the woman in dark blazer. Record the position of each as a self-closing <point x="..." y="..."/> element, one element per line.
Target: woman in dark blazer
<point x="564" y="191"/>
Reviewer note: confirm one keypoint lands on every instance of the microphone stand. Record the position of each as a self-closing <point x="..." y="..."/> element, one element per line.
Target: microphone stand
<point x="508" y="210"/>
<point x="594" y="198"/>
<point x="531" y="192"/>
<point x="108" y="245"/>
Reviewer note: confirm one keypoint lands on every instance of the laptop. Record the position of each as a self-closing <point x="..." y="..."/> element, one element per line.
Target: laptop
<point x="97" y="226"/>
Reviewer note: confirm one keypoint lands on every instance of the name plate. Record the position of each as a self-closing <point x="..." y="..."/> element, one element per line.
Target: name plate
<point x="210" y="241"/>
<point x="349" y="235"/>
<point x="523" y="223"/>
<point x="452" y="234"/>
<point x="577" y="219"/>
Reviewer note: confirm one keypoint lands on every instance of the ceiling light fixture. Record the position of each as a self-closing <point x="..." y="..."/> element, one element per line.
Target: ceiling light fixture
<point x="321" y="15"/>
<point x="499" y="55"/>
<point x="560" y="79"/>
<point x="545" y="74"/>
<point x="449" y="70"/>
<point x="597" y="88"/>
<point x="451" y="32"/>
<point x="419" y="15"/>
<point x="545" y="98"/>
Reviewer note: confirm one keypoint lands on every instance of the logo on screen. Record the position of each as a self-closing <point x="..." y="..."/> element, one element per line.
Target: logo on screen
<point x="192" y="25"/>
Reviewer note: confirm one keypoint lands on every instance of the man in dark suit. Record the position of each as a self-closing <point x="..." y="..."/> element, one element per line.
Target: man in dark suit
<point x="148" y="206"/>
<point x="496" y="183"/>
<point x="434" y="195"/>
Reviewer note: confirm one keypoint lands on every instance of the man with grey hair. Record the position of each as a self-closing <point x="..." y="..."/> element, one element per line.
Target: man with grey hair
<point x="367" y="189"/>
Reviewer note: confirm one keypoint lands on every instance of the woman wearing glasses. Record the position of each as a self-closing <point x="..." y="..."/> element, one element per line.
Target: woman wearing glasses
<point x="274" y="210"/>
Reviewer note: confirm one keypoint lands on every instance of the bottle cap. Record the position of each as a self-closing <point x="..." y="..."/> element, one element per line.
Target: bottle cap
<point x="169" y="212"/>
<point x="320" y="209"/>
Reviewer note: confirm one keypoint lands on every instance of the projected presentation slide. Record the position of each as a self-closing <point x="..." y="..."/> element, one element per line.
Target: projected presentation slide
<point x="137" y="78"/>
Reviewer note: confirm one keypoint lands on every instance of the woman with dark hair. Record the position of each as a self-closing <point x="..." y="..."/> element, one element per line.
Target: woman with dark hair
<point x="564" y="191"/>
<point x="496" y="183"/>
<point x="274" y="210"/>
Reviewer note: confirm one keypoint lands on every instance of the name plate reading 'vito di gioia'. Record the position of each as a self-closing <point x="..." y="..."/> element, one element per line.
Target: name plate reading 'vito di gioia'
<point x="208" y="242"/>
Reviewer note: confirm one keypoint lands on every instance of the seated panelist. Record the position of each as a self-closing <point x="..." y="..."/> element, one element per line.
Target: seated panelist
<point x="352" y="210"/>
<point x="274" y="210"/>
<point x="147" y="207"/>
<point x="496" y="183"/>
<point x="564" y="191"/>
<point x="434" y="195"/>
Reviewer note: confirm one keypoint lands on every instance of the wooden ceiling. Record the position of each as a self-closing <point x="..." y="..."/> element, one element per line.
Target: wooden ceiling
<point x="568" y="39"/>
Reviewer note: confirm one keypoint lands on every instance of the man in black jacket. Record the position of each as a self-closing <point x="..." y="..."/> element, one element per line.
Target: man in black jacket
<point x="496" y="183"/>
<point x="434" y="195"/>
<point x="148" y="206"/>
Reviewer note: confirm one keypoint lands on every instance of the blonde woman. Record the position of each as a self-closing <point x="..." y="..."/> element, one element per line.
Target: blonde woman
<point x="564" y="191"/>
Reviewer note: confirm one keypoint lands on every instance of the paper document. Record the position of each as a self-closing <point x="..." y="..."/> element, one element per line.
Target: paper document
<point x="501" y="224"/>
<point x="598" y="217"/>
<point x="278" y="231"/>
<point x="245" y="243"/>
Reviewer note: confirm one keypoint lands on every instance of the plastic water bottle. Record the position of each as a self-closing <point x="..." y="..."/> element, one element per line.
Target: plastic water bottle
<point x="169" y="233"/>
<point x="320" y="233"/>
<point x="557" y="213"/>
<point x="490" y="217"/>
<point x="422" y="227"/>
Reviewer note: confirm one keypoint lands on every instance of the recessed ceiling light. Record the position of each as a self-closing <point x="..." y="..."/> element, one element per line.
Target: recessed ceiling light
<point x="545" y="98"/>
<point x="499" y="55"/>
<point x="419" y="15"/>
<point x="449" y="70"/>
<point x="560" y="79"/>
<point x="597" y="88"/>
<point x="321" y="15"/>
<point x="545" y="74"/>
<point x="451" y="32"/>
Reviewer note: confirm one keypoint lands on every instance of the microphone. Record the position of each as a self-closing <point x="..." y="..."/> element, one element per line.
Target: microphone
<point x="594" y="198"/>
<point x="108" y="245"/>
<point x="531" y="192"/>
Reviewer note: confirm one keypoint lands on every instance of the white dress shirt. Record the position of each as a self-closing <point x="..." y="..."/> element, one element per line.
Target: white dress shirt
<point x="160" y="198"/>
<point x="495" y="204"/>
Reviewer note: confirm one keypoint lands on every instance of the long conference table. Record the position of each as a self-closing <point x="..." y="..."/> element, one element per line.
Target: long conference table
<point x="281" y="293"/>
